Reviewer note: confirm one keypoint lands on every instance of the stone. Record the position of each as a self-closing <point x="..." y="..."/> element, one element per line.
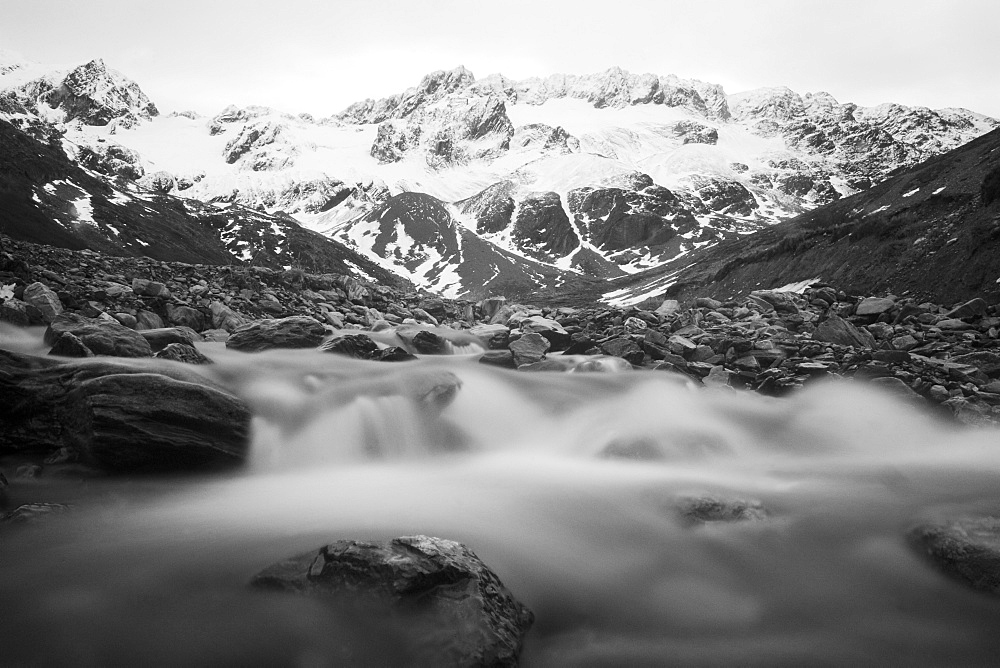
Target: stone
<point x="625" y="348"/>
<point x="44" y="299"/>
<point x="393" y="354"/>
<point x="708" y="302"/>
<point x="986" y="361"/>
<point x="966" y="549"/>
<point x="224" y="317"/>
<point x="143" y="287"/>
<point x="359" y="346"/>
<point x="160" y="338"/>
<point x="120" y="416"/>
<point x="297" y="331"/>
<point x="874" y="306"/>
<point x="100" y="336"/>
<point x="952" y="324"/>
<point x="456" y="610"/>
<point x="186" y="316"/>
<point x="148" y="320"/>
<point x="68" y="344"/>
<point x="500" y="358"/>
<point x="668" y="308"/>
<point x="529" y="348"/>
<point x="490" y="306"/>
<point x="905" y="342"/>
<point x="14" y="312"/>
<point x="126" y="320"/>
<point x="970" y="309"/>
<point x="182" y="352"/>
<point x="700" y="510"/>
<point x="494" y="337"/>
<point x="837" y="330"/>
<point x="635" y="326"/>
<point x="718" y="376"/>
<point x="423" y="341"/>
<point x="32" y="512"/>
<point x="550" y="329"/>
<point x="782" y="302"/>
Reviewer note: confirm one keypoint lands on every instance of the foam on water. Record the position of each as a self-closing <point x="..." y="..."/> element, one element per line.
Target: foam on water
<point x="568" y="485"/>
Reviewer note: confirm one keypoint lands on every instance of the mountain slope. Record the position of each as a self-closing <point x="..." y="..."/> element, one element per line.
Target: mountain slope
<point x="932" y="231"/>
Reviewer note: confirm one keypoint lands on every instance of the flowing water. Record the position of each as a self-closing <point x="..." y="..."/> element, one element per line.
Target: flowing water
<point x="567" y="484"/>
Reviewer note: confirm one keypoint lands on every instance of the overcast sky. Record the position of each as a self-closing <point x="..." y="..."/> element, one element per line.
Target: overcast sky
<point x="319" y="56"/>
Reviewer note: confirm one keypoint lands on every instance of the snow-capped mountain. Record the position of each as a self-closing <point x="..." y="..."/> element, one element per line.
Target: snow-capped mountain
<point x="544" y="180"/>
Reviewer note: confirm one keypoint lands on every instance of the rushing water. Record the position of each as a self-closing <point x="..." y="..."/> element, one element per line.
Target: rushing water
<point x="566" y="484"/>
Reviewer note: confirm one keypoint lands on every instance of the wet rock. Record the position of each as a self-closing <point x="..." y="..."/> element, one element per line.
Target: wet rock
<point x="529" y="348"/>
<point x="393" y="354"/>
<point x="292" y="332"/>
<point x="459" y="611"/>
<point x="69" y="345"/>
<point x="967" y="549"/>
<point x="550" y="329"/>
<point x="699" y="510"/>
<point x="182" y="352"/>
<point x="358" y="346"/>
<point x="424" y="342"/>
<point x="102" y="337"/>
<point x="837" y="330"/>
<point x="493" y="337"/>
<point x="32" y="512"/>
<point x="160" y="338"/>
<point x="224" y="317"/>
<point x="500" y="358"/>
<point x="625" y="348"/>
<point x="44" y="299"/>
<point x="118" y="416"/>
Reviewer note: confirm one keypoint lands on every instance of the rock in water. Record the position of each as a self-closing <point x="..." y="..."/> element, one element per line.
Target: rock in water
<point x="967" y="549"/>
<point x="119" y="416"/>
<point x="297" y="331"/>
<point x="529" y="349"/>
<point x="459" y="611"/>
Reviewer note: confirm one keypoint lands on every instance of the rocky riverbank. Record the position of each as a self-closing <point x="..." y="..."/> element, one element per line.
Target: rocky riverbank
<point x="944" y="356"/>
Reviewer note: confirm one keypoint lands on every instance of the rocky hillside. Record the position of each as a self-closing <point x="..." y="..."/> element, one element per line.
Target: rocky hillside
<point x="569" y="178"/>
<point x="47" y="198"/>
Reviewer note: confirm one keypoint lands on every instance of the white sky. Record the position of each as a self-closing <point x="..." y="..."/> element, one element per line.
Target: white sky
<point x="320" y="55"/>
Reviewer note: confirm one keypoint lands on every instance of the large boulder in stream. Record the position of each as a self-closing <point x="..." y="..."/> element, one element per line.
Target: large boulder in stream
<point x="458" y="611"/>
<point x="297" y="331"/>
<point x="120" y="416"/>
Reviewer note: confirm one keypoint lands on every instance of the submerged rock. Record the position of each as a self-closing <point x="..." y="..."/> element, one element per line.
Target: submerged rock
<point x="967" y="549"/>
<point x="459" y="611"/>
<point x="697" y="510"/>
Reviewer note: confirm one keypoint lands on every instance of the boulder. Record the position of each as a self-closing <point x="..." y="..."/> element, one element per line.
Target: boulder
<point x="837" y="330"/>
<point x="185" y="316"/>
<point x="359" y="346"/>
<point x="182" y="352"/>
<point x="970" y="309"/>
<point x="120" y="416"/>
<point x="493" y="337"/>
<point x="224" y="317"/>
<point x="457" y="610"/>
<point x="625" y="348"/>
<point x="967" y="549"/>
<point x="148" y="320"/>
<point x="668" y="308"/>
<point x="102" y="337"/>
<point x="160" y="338"/>
<point x="44" y="299"/>
<point x="15" y="312"/>
<point x="529" y="348"/>
<point x="143" y="287"/>
<point x="873" y="306"/>
<point x="782" y="302"/>
<point x="297" y="331"/>
<point x="70" y="345"/>
<point x="550" y="329"/>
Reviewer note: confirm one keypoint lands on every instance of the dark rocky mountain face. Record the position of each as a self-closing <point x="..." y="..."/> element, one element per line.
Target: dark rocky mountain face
<point x="46" y="198"/>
